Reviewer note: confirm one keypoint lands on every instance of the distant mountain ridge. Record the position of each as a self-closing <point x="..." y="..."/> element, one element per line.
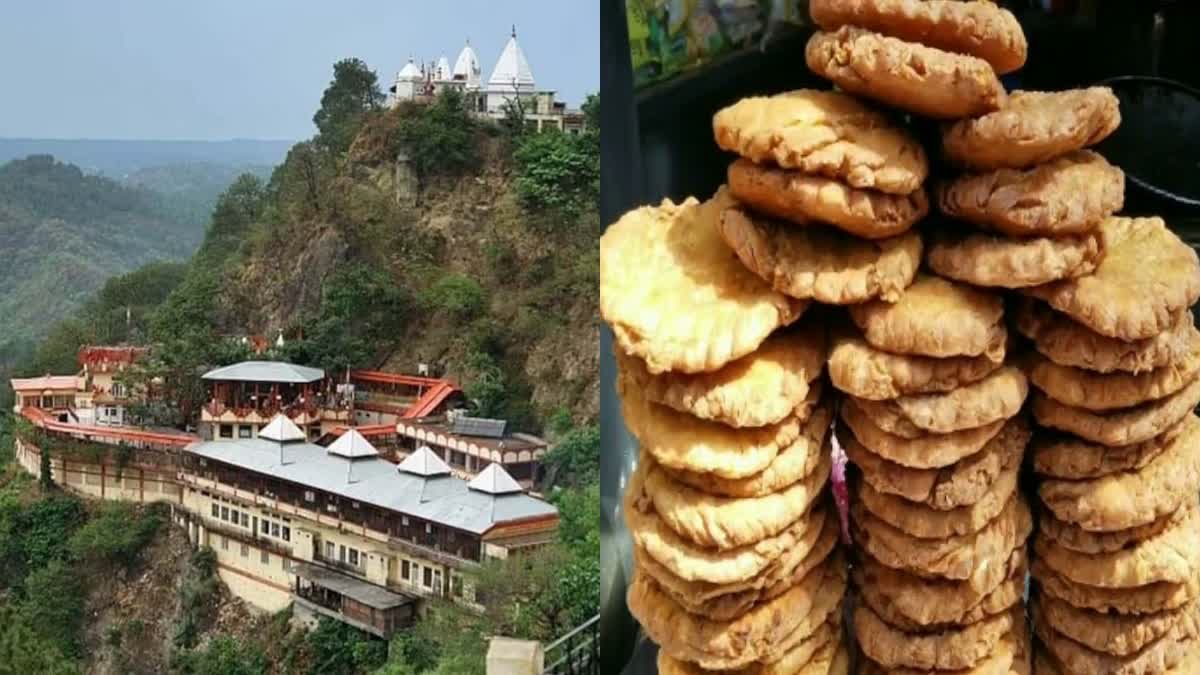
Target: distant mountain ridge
<point x="119" y="158"/>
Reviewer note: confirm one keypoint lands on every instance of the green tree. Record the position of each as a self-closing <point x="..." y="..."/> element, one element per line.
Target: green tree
<point x="439" y="138"/>
<point x="224" y="655"/>
<point x="579" y="518"/>
<point x="336" y="648"/>
<point x="302" y="183"/>
<point x="53" y="605"/>
<point x="591" y="112"/>
<point x="558" y="173"/>
<point x="353" y="93"/>
<point x="577" y="456"/>
<point x="457" y="294"/>
<point x="116" y="533"/>
<point x="23" y="651"/>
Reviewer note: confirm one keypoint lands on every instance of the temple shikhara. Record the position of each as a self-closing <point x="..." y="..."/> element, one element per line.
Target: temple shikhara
<point x="354" y="496"/>
<point x="510" y="81"/>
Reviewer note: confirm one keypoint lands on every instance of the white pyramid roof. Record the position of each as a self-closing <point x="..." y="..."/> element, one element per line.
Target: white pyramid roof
<point x="410" y="72"/>
<point x="466" y="67"/>
<point x="494" y="480"/>
<point x="282" y="430"/>
<point x="511" y="68"/>
<point x="352" y="445"/>
<point x="443" y="69"/>
<point x="424" y="462"/>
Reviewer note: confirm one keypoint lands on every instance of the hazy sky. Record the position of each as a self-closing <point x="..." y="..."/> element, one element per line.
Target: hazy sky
<point x="213" y="69"/>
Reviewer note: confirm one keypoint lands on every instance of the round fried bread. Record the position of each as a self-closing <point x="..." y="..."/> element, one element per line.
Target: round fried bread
<point x="983" y="259"/>
<point x="680" y="441"/>
<point x="1156" y="597"/>
<point x="1158" y="656"/>
<point x="861" y="370"/>
<point x="1069" y="195"/>
<point x="1033" y="127"/>
<point x="748" y="567"/>
<point x="803" y="199"/>
<point x="1069" y="343"/>
<point x="1148" y="275"/>
<point x="807" y="652"/>
<point x="1068" y="457"/>
<point x="821" y="263"/>
<point x="1128" y="499"/>
<point x="1116" y="634"/>
<point x="958" y="557"/>
<point x="675" y="297"/>
<point x="1172" y="556"/>
<point x="908" y="601"/>
<point x="962" y="483"/>
<point x="997" y="397"/>
<point x="929" y="451"/>
<point x="1122" y="427"/>
<point x="824" y="133"/>
<point x="907" y="75"/>
<point x="980" y="29"/>
<point x="724" y="523"/>
<point x="1075" y="538"/>
<point x="756" y="390"/>
<point x="758" y="635"/>
<point x="935" y="317"/>
<point x="791" y="464"/>
<point x="1108" y="391"/>
<point x="949" y="648"/>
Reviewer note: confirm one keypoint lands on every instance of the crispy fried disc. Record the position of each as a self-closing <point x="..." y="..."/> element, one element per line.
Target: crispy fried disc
<point x="1161" y="654"/>
<point x="983" y="259"/>
<point x="803" y="198"/>
<point x="946" y="648"/>
<point x="791" y="464"/>
<point x="821" y="263"/>
<point x="861" y="370"/>
<point x="958" y="557"/>
<point x="1069" y="195"/>
<point x="997" y="397"/>
<point x="1108" y="391"/>
<point x="1156" y="597"/>
<point x="1128" y="499"/>
<point x="935" y="317"/>
<point x="1059" y="455"/>
<point x="810" y="655"/>
<point x="930" y="451"/>
<point x="824" y="133"/>
<point x="675" y="297"/>
<point x="907" y="601"/>
<point x="981" y="29"/>
<point x="1122" y="427"/>
<point x="1075" y="538"/>
<point x="1116" y="634"/>
<point x="679" y="441"/>
<point x="759" y="389"/>
<point x="749" y="565"/>
<point x="1172" y="556"/>
<point x="758" y="635"/>
<point x="1147" y="277"/>
<point x="962" y="483"/>
<point x="1066" y="342"/>
<point x="1033" y="127"/>
<point x="724" y="523"/>
<point x="907" y="75"/>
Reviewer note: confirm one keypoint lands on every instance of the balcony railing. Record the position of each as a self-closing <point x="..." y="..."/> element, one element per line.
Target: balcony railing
<point x="577" y="652"/>
<point x="429" y="553"/>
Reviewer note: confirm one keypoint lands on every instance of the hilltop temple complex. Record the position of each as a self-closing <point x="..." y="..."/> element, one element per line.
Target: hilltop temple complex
<point x="511" y="80"/>
<point x="354" y="498"/>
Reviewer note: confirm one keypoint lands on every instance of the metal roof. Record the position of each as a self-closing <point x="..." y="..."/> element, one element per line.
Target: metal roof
<point x="283" y="430"/>
<point x="266" y="371"/>
<point x="360" y="591"/>
<point x="424" y="463"/>
<point x="494" y="480"/>
<point x="442" y="499"/>
<point x="352" y="444"/>
<point x="45" y="382"/>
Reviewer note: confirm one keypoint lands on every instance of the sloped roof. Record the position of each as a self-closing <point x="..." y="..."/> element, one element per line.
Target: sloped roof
<point x="44" y="382"/>
<point x="442" y="499"/>
<point x="266" y="371"/>
<point x="282" y="430"/>
<point x="494" y="480"/>
<point x="424" y="462"/>
<point x="511" y="68"/>
<point x="352" y="445"/>
<point x="466" y="67"/>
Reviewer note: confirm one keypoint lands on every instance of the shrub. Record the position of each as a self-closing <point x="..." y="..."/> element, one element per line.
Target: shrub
<point x="559" y="174"/>
<point x="456" y="294"/>
<point x="439" y="138"/>
<point x="116" y="534"/>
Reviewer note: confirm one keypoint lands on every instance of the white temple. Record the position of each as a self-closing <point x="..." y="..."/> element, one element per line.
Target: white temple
<point x="511" y="79"/>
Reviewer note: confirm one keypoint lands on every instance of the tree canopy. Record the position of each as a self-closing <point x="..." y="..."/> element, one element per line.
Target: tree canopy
<point x="353" y="92"/>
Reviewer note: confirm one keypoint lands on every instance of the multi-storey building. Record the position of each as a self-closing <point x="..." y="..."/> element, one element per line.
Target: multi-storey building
<point x="95" y="395"/>
<point x="245" y="396"/>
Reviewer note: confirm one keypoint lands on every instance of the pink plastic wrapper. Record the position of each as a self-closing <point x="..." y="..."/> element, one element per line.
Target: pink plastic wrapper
<point x="841" y="495"/>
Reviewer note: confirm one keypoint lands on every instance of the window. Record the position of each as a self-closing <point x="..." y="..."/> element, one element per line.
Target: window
<point x="404" y="520"/>
<point x="275" y="530"/>
<point x="354" y="557"/>
<point x="255" y="527"/>
<point x="245" y="519"/>
<point x="243" y="431"/>
<point x="234" y="517"/>
<point x="404" y="569"/>
<point x="224" y="513"/>
<point x="118" y="391"/>
<point x="428" y="577"/>
<point x="354" y="505"/>
<point x="265" y="558"/>
<point x="329" y="550"/>
<point x="226" y="431"/>
<point x="266" y="526"/>
<point x="216" y="510"/>
<point x="287" y="533"/>
<point x="245" y="551"/>
<point x="342" y="552"/>
<point x="309" y="496"/>
<point x="428" y="528"/>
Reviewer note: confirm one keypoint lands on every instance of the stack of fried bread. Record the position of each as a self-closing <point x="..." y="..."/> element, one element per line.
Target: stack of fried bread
<point x="737" y="559"/>
<point x="1116" y="371"/>
<point x="932" y="426"/>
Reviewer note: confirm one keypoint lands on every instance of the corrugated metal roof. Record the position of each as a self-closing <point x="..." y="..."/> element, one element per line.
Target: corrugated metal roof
<point x="367" y="593"/>
<point x="442" y="499"/>
<point x="266" y="371"/>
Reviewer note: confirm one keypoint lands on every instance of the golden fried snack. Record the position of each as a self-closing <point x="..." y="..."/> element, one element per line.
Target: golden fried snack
<point x="863" y="371"/>
<point x="907" y="75"/>
<point x="821" y="263"/>
<point x="1033" y="127"/>
<point x="811" y="655"/>
<point x="824" y="133"/>
<point x="945" y="648"/>
<point x="983" y="259"/>
<point x="1126" y="426"/>
<point x="1148" y="276"/>
<point x="1155" y="597"/>
<point x="1075" y="538"/>
<point x="1102" y="392"/>
<point x="806" y="199"/>
<point x="1116" y="634"/>
<point x="997" y="397"/>
<point x="929" y="451"/>
<point x="675" y="297"/>
<point x="1158" y="656"/>
<point x="935" y="317"/>
<point x="1072" y="458"/>
<point x="1069" y="195"/>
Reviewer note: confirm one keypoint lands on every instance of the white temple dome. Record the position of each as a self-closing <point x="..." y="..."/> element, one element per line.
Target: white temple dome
<point x="442" y="73"/>
<point x="512" y="69"/>
<point x="466" y="67"/>
<point x="410" y="72"/>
